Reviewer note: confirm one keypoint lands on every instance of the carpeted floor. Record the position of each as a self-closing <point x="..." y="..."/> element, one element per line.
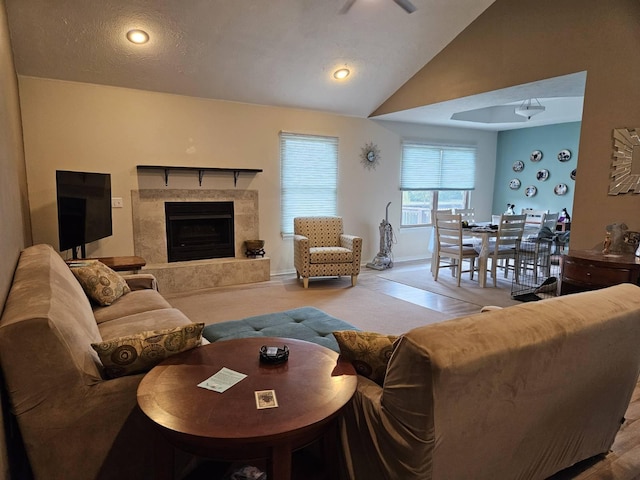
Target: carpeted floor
<point x="362" y="306"/>
<point x="468" y="291"/>
<point x="371" y="305"/>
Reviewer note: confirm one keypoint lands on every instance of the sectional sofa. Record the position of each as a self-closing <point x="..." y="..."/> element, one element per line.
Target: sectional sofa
<point x="520" y="392"/>
<point x="75" y="423"/>
<point x="514" y="393"/>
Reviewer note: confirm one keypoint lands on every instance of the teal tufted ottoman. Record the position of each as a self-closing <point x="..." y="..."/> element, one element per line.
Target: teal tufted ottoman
<point x="305" y="323"/>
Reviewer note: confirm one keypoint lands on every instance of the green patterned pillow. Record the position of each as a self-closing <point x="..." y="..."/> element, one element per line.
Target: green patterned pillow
<point x="141" y="352"/>
<point x="99" y="282"/>
<point x="369" y="352"/>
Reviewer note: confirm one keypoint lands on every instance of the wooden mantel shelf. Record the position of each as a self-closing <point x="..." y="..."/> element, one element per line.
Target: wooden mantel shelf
<point x="236" y="171"/>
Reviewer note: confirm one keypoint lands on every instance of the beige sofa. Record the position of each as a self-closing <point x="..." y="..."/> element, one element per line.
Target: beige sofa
<point x="75" y="424"/>
<point x="517" y="393"/>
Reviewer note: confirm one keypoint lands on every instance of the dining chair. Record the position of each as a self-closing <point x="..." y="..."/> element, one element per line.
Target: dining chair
<point x="534" y="217"/>
<point x="505" y="246"/>
<point x="533" y="221"/>
<point x="550" y="221"/>
<point x="449" y="245"/>
<point x="468" y="215"/>
<point x="433" y="242"/>
<point x="440" y="210"/>
<point x="535" y="252"/>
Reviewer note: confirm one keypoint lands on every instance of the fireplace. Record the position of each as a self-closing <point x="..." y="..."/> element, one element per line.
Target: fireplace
<point x="199" y="230"/>
<point x="150" y="240"/>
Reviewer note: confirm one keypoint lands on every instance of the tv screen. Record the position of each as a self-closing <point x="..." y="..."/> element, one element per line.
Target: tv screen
<point x="84" y="208"/>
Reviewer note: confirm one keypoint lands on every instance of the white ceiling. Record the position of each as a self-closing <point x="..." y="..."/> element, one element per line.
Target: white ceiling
<point x="276" y="52"/>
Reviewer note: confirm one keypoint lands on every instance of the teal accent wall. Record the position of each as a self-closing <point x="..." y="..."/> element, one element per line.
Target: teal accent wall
<point x="514" y="145"/>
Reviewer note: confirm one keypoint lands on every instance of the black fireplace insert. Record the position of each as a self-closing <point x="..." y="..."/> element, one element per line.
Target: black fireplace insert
<point x="199" y="230"/>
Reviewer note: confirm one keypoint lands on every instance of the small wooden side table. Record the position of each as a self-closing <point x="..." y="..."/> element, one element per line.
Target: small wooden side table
<point x="311" y="388"/>
<point x="119" y="264"/>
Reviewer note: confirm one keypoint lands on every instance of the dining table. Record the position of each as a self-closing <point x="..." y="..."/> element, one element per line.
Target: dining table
<point x="484" y="231"/>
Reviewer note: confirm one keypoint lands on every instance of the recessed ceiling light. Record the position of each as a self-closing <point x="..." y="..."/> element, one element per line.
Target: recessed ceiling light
<point x="341" y="74"/>
<point x="137" y="36"/>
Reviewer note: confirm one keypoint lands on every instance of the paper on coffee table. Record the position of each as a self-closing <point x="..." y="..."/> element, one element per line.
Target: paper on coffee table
<point x="224" y="379"/>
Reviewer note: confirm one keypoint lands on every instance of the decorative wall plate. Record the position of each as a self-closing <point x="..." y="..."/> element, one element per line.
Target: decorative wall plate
<point x="573" y="174"/>
<point x="518" y="166"/>
<point x="536" y="156"/>
<point x="514" y="184"/>
<point x="560" y="189"/>
<point x="542" y="174"/>
<point x="530" y="191"/>
<point x="564" y="155"/>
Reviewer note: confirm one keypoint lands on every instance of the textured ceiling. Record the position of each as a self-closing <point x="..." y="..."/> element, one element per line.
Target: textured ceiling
<point x="276" y="52"/>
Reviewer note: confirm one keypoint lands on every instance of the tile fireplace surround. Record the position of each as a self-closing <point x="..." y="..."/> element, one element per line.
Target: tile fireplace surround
<point x="150" y="243"/>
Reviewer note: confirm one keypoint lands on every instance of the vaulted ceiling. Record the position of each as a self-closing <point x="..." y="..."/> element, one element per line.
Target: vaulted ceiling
<point x="276" y="52"/>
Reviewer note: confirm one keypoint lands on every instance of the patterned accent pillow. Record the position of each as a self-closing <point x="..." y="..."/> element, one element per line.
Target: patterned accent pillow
<point x="141" y="352"/>
<point x="99" y="282"/>
<point x="369" y="352"/>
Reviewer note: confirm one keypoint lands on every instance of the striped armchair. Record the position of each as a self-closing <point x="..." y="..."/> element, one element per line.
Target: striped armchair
<point x="321" y="249"/>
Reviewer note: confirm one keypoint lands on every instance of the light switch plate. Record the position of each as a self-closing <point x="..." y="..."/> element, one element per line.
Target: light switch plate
<point x="116" y="202"/>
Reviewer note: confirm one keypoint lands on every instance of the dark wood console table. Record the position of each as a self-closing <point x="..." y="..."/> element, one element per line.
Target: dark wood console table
<point x="583" y="270"/>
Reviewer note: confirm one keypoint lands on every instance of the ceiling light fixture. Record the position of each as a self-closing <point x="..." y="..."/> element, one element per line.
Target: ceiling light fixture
<point x="528" y="109"/>
<point x="137" y="36"/>
<point x="341" y="74"/>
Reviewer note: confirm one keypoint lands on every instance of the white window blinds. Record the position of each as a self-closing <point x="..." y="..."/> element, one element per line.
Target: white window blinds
<point x="308" y="177"/>
<point x="429" y="167"/>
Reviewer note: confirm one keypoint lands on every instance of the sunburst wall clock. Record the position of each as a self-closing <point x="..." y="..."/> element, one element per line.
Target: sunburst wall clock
<point x="370" y="155"/>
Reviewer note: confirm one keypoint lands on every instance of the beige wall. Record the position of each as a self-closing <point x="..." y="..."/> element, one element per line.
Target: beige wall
<point x="516" y="42"/>
<point x="14" y="214"/>
<point x="79" y="126"/>
<point x="14" y="209"/>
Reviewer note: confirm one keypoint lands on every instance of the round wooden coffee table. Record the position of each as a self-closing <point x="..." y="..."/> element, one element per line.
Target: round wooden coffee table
<point x="311" y="388"/>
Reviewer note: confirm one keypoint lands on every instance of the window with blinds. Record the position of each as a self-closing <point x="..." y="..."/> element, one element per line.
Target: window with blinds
<point x="308" y="177"/>
<point x="428" y="167"/>
<point x="432" y="178"/>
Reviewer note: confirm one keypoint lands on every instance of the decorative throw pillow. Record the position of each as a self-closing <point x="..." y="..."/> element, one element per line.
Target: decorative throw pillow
<point x="369" y="352"/>
<point x="141" y="352"/>
<point x="99" y="282"/>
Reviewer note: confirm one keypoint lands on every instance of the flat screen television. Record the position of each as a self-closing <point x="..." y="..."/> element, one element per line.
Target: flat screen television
<point x="84" y="208"/>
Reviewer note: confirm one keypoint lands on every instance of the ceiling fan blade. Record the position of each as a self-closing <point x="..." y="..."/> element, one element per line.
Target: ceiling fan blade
<point x="406" y="5"/>
<point x="347" y="6"/>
